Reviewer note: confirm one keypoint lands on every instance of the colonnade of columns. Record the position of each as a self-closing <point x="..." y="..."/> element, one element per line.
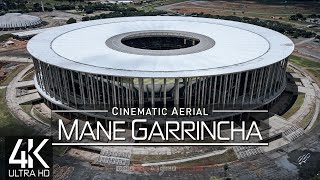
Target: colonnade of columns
<point x="91" y="91"/>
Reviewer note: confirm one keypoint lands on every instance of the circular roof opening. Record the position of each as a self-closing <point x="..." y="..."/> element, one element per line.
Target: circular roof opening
<point x="160" y="43"/>
<point x="156" y="41"/>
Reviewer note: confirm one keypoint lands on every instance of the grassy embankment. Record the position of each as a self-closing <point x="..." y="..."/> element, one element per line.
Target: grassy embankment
<point x="313" y="68"/>
<point x="9" y="125"/>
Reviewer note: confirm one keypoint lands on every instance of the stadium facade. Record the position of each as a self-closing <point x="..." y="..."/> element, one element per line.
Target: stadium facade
<point x="159" y="62"/>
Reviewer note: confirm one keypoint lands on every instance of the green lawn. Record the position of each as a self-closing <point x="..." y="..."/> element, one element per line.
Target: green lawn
<point x="312" y="67"/>
<point x="295" y="107"/>
<point x="42" y="117"/>
<point x="55" y="2"/>
<point x="26" y="108"/>
<point x="151" y="5"/>
<point x="9" y="125"/>
<point x="317" y="122"/>
<point x="29" y="76"/>
<point x="59" y="150"/>
<point x="304" y="62"/>
<point x="306" y="120"/>
<point x="315" y="72"/>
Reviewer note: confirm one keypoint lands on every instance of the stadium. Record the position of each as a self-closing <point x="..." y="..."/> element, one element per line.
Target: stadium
<point x="16" y="21"/>
<point x="160" y="61"/>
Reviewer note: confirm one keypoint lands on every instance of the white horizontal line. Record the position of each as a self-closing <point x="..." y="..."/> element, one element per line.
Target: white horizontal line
<point x="80" y="111"/>
<point x="226" y="111"/>
<point x="160" y="144"/>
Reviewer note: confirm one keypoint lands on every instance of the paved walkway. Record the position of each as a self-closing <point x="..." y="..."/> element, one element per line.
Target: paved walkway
<point x="15" y="59"/>
<point x="22" y="84"/>
<point x="29" y="98"/>
<point x="304" y="41"/>
<point x="186" y="159"/>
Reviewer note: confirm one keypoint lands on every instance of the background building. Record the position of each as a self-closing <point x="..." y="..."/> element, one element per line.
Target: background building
<point x="12" y="21"/>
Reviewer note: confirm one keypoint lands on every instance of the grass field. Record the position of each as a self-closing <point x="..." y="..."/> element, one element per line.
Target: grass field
<point x="9" y="125"/>
<point x="246" y="8"/>
<point x="306" y="120"/>
<point x="315" y="72"/>
<point x="311" y="66"/>
<point x="151" y="5"/>
<point x="55" y="2"/>
<point x="304" y="62"/>
<point x="295" y="107"/>
<point x="29" y="75"/>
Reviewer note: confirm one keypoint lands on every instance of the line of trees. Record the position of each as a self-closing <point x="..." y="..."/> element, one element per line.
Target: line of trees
<point x="92" y="7"/>
<point x="65" y="7"/>
<point x="23" y="6"/>
<point x="123" y="14"/>
<point x="300" y="17"/>
<point x="283" y="28"/>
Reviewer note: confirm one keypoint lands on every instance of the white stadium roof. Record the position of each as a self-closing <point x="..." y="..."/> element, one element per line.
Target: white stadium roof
<point x="84" y="47"/>
<point x="18" y="20"/>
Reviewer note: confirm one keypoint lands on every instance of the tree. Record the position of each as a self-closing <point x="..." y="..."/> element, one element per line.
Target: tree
<point x="86" y="18"/>
<point x="71" y="20"/>
<point x="89" y="10"/>
<point x="225" y="167"/>
<point x="299" y="16"/>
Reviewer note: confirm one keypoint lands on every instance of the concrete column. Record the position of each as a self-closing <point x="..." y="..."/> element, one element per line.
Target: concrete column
<point x="245" y="87"/>
<point x="266" y="83"/>
<point x="83" y="99"/>
<point x="152" y="92"/>
<point x="122" y="93"/>
<point x="164" y="92"/>
<point x="214" y="91"/>
<point x="103" y="92"/>
<point x="176" y="92"/>
<point x="196" y="91"/>
<point x="261" y="76"/>
<point x="199" y="90"/>
<point x="252" y="85"/>
<point x="132" y="92"/>
<point x="190" y="92"/>
<point x="118" y="90"/>
<point x="220" y="90"/>
<point x="93" y="92"/>
<point x="185" y="92"/>
<point x="127" y="93"/>
<point x="272" y="79"/>
<point x="114" y="96"/>
<point x="74" y="90"/>
<point x="235" y="89"/>
<point x="88" y="89"/>
<point x="141" y="93"/>
<point x="66" y="86"/>
<point x="225" y="86"/>
<point x="210" y="91"/>
<point x="203" y="91"/>
<point x="108" y="91"/>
